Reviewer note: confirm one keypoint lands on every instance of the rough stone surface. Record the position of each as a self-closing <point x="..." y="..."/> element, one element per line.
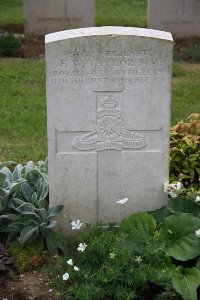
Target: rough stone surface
<point x="46" y="16"/>
<point x="180" y="17"/>
<point x="108" y="102"/>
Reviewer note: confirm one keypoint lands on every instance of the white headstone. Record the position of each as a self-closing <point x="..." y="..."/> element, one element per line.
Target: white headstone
<point x="108" y="101"/>
<point x="46" y="16"/>
<point x="180" y="17"/>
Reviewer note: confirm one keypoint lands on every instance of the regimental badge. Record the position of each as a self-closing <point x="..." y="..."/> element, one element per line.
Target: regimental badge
<point x="111" y="132"/>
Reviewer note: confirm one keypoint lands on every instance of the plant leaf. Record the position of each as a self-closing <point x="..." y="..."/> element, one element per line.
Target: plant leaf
<point x="17" y="172"/>
<point x="186" y="283"/>
<point x="2" y="179"/>
<point x="43" y="190"/>
<point x="160" y="214"/>
<point x="33" y="177"/>
<point x="8" y="174"/>
<point x="30" y="166"/>
<point x="139" y="221"/>
<point x="43" y="213"/>
<point x="27" y="191"/>
<point x="184" y="205"/>
<point x="178" y="231"/>
<point x="26" y="209"/>
<point x="198" y="263"/>
<point x="52" y="224"/>
<point x="55" y="210"/>
<point x="26" y="233"/>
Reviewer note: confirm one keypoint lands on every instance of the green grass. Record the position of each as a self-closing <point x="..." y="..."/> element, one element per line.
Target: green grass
<point x="22" y="110"/>
<point x="11" y="14"/>
<point x="121" y="13"/>
<point x="23" y="107"/>
<point x="185" y="91"/>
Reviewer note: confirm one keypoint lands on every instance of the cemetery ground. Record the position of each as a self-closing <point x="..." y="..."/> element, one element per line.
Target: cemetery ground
<point x="23" y="138"/>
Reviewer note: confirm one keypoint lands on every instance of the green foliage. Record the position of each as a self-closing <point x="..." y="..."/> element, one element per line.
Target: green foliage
<point x="185" y="151"/>
<point x="9" y="45"/>
<point x="140" y="221"/>
<point x="140" y="258"/>
<point x="186" y="281"/>
<point x="24" y="209"/>
<point x="179" y="235"/>
<point x="183" y="204"/>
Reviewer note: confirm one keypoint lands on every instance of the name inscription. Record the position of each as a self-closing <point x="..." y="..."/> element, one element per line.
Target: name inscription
<point x="109" y="66"/>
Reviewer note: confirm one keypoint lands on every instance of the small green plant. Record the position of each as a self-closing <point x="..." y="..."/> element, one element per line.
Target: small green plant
<point x="24" y="209"/>
<point x="185" y="152"/>
<point x="9" y="44"/>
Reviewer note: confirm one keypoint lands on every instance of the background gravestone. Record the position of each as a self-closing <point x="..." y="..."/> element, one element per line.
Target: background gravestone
<point x="45" y="16"/>
<point x="180" y="17"/>
<point x="108" y="106"/>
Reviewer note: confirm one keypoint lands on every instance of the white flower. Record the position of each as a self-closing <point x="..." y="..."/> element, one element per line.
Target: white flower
<point x="81" y="247"/>
<point x="50" y="290"/>
<point x="178" y="186"/>
<point x="112" y="255"/>
<point x="166" y="186"/>
<point x="122" y="201"/>
<point x="66" y="276"/>
<point x="172" y="188"/>
<point x="76" y="268"/>
<point x="173" y="195"/>
<point x="70" y="262"/>
<point x="197" y="199"/>
<point x="76" y="224"/>
<point x="197" y="232"/>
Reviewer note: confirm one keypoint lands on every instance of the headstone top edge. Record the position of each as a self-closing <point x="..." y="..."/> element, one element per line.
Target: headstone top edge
<point x="107" y="30"/>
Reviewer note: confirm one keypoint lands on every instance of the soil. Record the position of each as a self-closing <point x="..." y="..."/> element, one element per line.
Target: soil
<point x="28" y="286"/>
<point x="31" y="47"/>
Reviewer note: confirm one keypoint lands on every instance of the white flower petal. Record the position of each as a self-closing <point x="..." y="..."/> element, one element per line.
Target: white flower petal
<point x="112" y="255"/>
<point x="66" y="276"/>
<point x="76" y="224"/>
<point x="76" y="268"/>
<point x="81" y="247"/>
<point x="70" y="262"/>
<point x="197" y="199"/>
<point x="197" y="232"/>
<point x="122" y="201"/>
